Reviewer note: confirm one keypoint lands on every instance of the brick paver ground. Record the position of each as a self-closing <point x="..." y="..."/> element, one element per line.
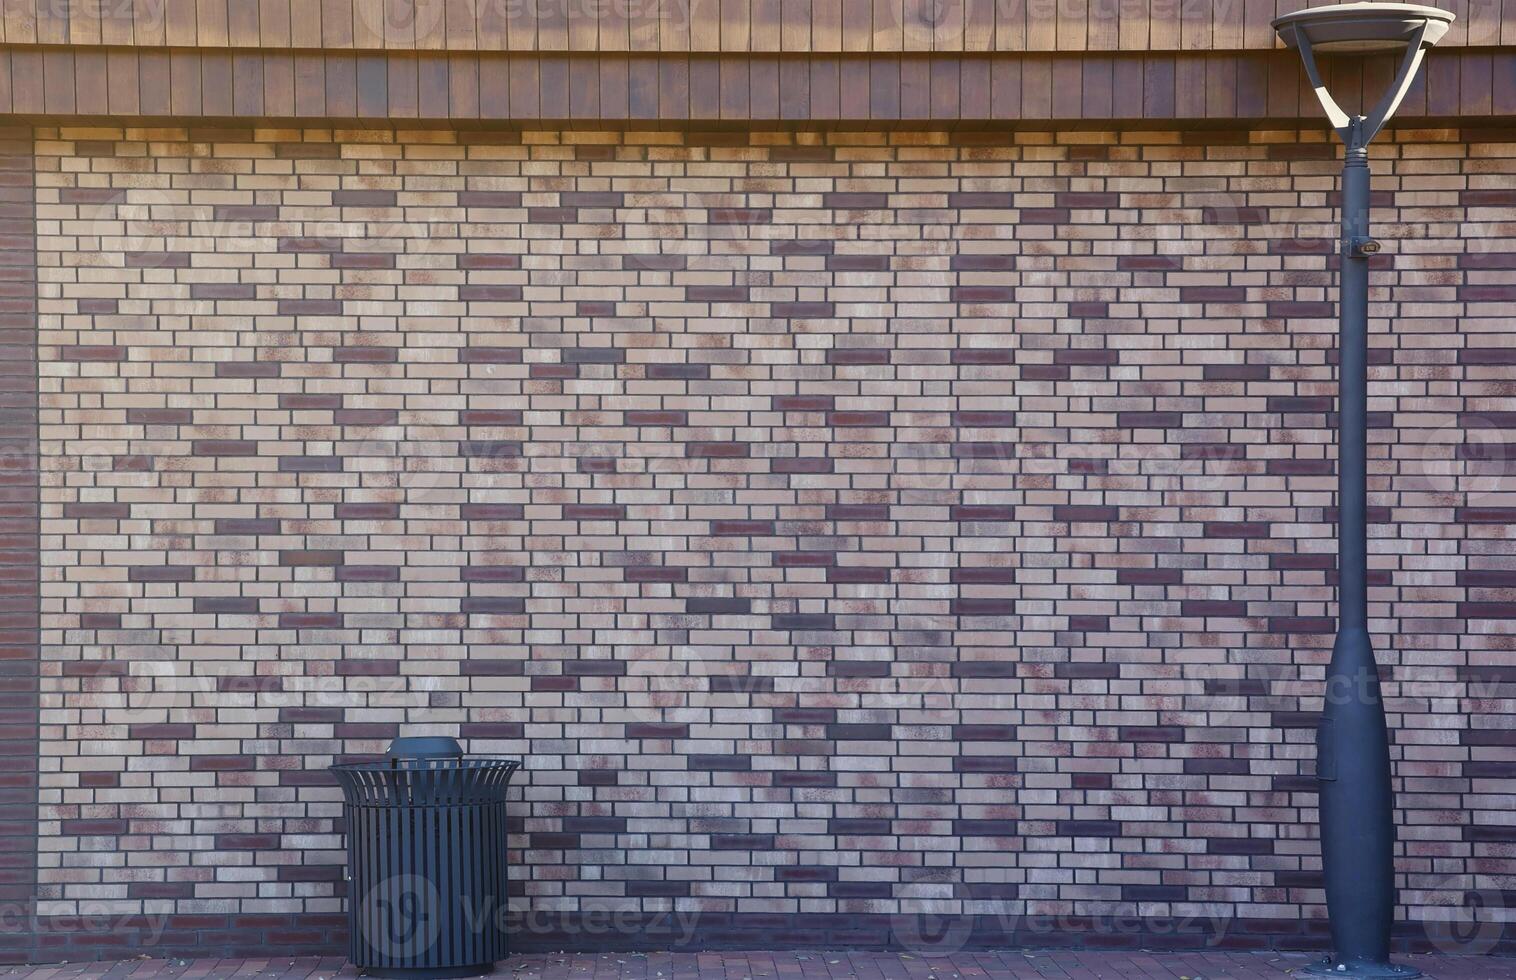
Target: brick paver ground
<point x="1041" y="964"/>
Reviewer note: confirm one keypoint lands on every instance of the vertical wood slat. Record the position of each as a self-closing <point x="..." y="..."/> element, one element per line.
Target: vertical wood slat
<point x="736" y="26"/>
<point x="826" y="27"/>
<point x="552" y="19"/>
<point x="912" y="99"/>
<point x="857" y="25"/>
<point x="58" y="74"/>
<point x="979" y="26"/>
<point x="460" y="25"/>
<point x="797" y="20"/>
<point x="337" y="24"/>
<point x="91" y="89"/>
<point x="52" y="23"/>
<point x="150" y="23"/>
<point x="493" y="32"/>
<point x="121" y="74"/>
<point x="1010" y="29"/>
<point x="305" y="23"/>
<point x="368" y="24"/>
<point x="185" y="89"/>
<point x="1164" y="27"/>
<point x="180" y="23"/>
<point x="1072" y="23"/>
<point x="211" y="23"/>
<point x="888" y="26"/>
<point x="463" y="88"/>
<point x="310" y="84"/>
<point x="242" y="24"/>
<point x="20" y="21"/>
<point x="642" y="28"/>
<point x="274" y="23"/>
<point x="1484" y="22"/>
<point x="117" y="24"/>
<point x="614" y="29"/>
<point x="26" y="80"/>
<point x="1133" y="27"/>
<point x="1098" y="91"/>
<point x="1503" y="83"/>
<point x="84" y="23"/>
<point x="1068" y="86"/>
<point x="1105" y="26"/>
<point x="1041" y="25"/>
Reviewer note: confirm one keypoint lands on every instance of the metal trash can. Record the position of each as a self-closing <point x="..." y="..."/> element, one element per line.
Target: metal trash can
<point x="426" y="861"/>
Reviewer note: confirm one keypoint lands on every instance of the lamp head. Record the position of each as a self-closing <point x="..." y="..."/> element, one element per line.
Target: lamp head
<point x="1363" y="28"/>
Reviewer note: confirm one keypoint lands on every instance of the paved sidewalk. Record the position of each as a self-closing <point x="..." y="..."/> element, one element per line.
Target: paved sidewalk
<point x="1041" y="964"/>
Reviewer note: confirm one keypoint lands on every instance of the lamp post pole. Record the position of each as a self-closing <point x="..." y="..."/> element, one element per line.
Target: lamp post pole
<point x="1352" y="743"/>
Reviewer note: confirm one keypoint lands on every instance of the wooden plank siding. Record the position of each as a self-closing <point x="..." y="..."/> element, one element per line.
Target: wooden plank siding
<point x="680" y="89"/>
<point x="696" y="26"/>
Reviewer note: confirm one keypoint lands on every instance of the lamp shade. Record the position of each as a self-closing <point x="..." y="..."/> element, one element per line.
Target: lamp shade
<point x="1362" y="27"/>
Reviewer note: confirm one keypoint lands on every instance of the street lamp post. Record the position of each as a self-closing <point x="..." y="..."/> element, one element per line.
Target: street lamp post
<point x="1352" y="744"/>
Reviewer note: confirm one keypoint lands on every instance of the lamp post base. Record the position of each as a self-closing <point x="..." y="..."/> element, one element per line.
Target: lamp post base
<point x="1367" y="969"/>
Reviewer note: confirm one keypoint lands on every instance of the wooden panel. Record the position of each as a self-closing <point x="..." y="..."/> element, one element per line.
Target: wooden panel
<point x="274" y="23"/>
<point x="216" y="83"/>
<point x="463" y="87"/>
<point x="1073" y="26"/>
<point x="1068" y="87"/>
<point x="121" y="72"/>
<point x="58" y="82"/>
<point x="26" y="80"/>
<point x="92" y="91"/>
<point x="1097" y="88"/>
<point x="826" y="88"/>
<point x="979" y="25"/>
<point x="914" y="98"/>
<point x="185" y="87"/>
<point x="1041" y="25"/>
<point x="117" y="24"/>
<point x="857" y="25"/>
<point x="1005" y="89"/>
<point x="242" y="24"/>
<point x="310" y="85"/>
<point x="1126" y="88"/>
<point x="1503" y="83"/>
<point x="523" y="86"/>
<point x="305" y="23"/>
<point x="336" y="23"/>
<point x="1134" y="30"/>
<point x="615" y="98"/>
<point x="706" y="26"/>
<point x="150" y="25"/>
<point x="18" y="21"/>
<point x="211" y="23"/>
<point x="1037" y="88"/>
<point x="52" y="24"/>
<point x="1467" y="85"/>
<point x="1105" y="26"/>
<point x="736" y="25"/>
<point x="642" y="88"/>
<point x="154" y="81"/>
<point x="180" y="23"/>
<point x="403" y="87"/>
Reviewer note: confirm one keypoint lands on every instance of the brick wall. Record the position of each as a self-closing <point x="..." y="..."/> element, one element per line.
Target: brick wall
<point x="840" y="526"/>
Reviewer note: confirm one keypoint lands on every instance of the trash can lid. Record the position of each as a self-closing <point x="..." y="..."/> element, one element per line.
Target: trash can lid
<point x="424" y="747"/>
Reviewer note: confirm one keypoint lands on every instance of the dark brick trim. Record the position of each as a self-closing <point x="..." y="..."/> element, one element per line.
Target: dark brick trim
<point x="20" y="559"/>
